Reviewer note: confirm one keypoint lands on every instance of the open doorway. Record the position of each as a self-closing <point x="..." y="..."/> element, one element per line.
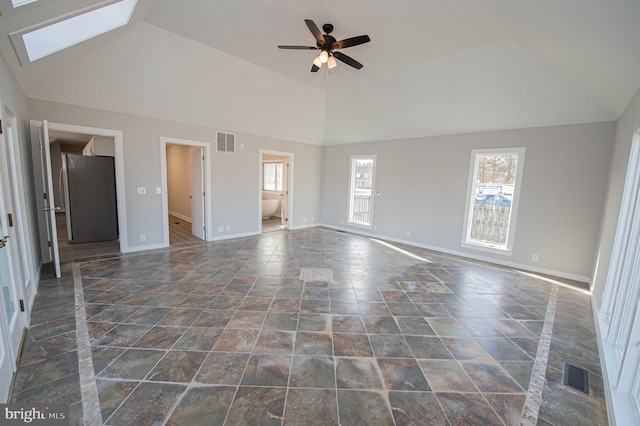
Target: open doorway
<point x="185" y="180"/>
<point x="84" y="184"/>
<point x="275" y="190"/>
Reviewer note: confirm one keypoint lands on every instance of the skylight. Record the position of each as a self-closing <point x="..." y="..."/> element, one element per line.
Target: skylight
<point x="18" y="3"/>
<point x="62" y="34"/>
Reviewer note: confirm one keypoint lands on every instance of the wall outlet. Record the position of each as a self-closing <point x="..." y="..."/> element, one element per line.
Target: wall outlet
<point x="220" y="228"/>
<point x="158" y="190"/>
<point x="304" y="220"/>
<point x="142" y="190"/>
<point x="535" y="257"/>
<point x="408" y="234"/>
<point x="143" y="237"/>
<point x="228" y="228"/>
<point x="375" y="227"/>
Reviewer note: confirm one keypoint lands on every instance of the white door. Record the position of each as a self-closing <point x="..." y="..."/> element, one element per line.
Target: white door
<point x="7" y="358"/>
<point x="49" y="201"/>
<point x="12" y="319"/>
<point x="197" y="192"/>
<point x="284" y="196"/>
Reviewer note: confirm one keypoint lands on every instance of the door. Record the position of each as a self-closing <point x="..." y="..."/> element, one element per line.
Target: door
<point x="284" y="196"/>
<point x="7" y="358"/>
<point x="12" y="319"/>
<point x="49" y="203"/>
<point x="197" y="192"/>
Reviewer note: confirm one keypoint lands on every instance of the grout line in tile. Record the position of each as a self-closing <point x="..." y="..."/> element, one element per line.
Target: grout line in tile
<point x="533" y="399"/>
<point x="91" y="413"/>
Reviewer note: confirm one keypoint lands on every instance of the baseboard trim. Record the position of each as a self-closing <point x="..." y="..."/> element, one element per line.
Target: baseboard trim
<point x="230" y="236"/>
<point x="466" y="255"/>
<point x="180" y="216"/>
<point x="145" y="248"/>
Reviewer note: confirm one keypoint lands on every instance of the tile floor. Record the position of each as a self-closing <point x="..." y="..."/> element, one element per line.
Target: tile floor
<point x="308" y="327"/>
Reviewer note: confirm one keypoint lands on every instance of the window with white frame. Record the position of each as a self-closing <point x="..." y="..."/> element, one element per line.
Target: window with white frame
<point x="361" y="190"/>
<point x="272" y="176"/>
<point x="492" y="196"/>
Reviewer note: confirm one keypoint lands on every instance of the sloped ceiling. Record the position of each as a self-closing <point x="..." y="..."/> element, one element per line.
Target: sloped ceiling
<point x="432" y="67"/>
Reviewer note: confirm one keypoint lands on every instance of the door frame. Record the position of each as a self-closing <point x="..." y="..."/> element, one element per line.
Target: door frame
<point x="196" y="158"/>
<point x="119" y="163"/>
<point x="207" y="185"/>
<point x="289" y="177"/>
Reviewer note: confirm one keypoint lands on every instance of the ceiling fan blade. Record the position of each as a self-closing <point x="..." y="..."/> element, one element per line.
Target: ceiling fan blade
<point x="298" y="47"/>
<point x="349" y="42"/>
<point x="314" y="68"/>
<point x="347" y="60"/>
<point x="317" y="34"/>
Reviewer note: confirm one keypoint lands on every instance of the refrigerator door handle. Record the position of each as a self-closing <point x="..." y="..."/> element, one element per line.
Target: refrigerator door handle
<point x="61" y="188"/>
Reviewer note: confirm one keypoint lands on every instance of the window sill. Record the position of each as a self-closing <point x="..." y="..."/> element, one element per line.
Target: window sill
<point x="487" y="249"/>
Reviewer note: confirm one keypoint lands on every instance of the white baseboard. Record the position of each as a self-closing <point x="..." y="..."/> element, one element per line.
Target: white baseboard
<point x="144" y="248"/>
<point x="180" y="216"/>
<point x="463" y="254"/>
<point x="230" y="236"/>
<point x="312" y="225"/>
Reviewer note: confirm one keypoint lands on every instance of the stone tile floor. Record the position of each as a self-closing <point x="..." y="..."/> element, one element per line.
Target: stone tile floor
<point x="229" y="333"/>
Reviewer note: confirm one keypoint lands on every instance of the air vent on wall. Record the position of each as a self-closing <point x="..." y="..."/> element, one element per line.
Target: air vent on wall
<point x="226" y="142"/>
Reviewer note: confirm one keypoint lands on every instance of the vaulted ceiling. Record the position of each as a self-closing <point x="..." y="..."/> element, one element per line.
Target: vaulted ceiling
<point x="432" y="66"/>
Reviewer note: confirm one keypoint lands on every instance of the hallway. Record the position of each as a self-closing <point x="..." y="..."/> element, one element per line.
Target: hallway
<point x="308" y="326"/>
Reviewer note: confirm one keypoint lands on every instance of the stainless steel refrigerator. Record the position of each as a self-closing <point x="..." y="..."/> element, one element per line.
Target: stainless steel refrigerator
<point x="89" y="185"/>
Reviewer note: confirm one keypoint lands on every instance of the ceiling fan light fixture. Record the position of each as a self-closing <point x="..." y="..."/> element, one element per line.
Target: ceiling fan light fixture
<point x="317" y="62"/>
<point x="331" y="62"/>
<point x="323" y="56"/>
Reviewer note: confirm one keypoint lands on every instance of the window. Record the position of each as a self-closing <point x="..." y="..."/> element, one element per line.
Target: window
<point x="272" y="176"/>
<point x="361" y="192"/>
<point x="492" y="196"/>
<point x="51" y="38"/>
<point x="18" y="3"/>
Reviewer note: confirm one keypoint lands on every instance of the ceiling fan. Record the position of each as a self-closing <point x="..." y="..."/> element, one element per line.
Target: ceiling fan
<point x="327" y="44"/>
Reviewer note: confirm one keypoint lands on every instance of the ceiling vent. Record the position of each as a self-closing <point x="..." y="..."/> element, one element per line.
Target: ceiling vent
<point x="226" y="142"/>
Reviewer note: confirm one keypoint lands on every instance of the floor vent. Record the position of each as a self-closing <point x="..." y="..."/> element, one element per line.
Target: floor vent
<point x="576" y="378"/>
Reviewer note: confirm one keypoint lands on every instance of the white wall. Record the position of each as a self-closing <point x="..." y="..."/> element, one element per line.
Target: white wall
<point x="179" y="180"/>
<point x="423" y="182"/>
<point x="235" y="177"/>
<point x="152" y="72"/>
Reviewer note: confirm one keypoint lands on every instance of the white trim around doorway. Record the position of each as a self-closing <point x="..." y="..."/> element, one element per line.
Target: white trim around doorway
<point x="290" y="186"/>
<point x="119" y="162"/>
<point x="207" y="185"/>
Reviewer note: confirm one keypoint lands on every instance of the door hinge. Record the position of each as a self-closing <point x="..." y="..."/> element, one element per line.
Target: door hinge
<point x="10" y="219"/>
<point x="1" y="129"/>
<point x="203" y="158"/>
<point x="49" y="243"/>
<point x="40" y="146"/>
<point x="45" y="195"/>
<point x="203" y="194"/>
<point x="21" y="305"/>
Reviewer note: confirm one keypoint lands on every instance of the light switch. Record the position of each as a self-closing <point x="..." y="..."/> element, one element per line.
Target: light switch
<point x="142" y="190"/>
<point x="158" y="190"/>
